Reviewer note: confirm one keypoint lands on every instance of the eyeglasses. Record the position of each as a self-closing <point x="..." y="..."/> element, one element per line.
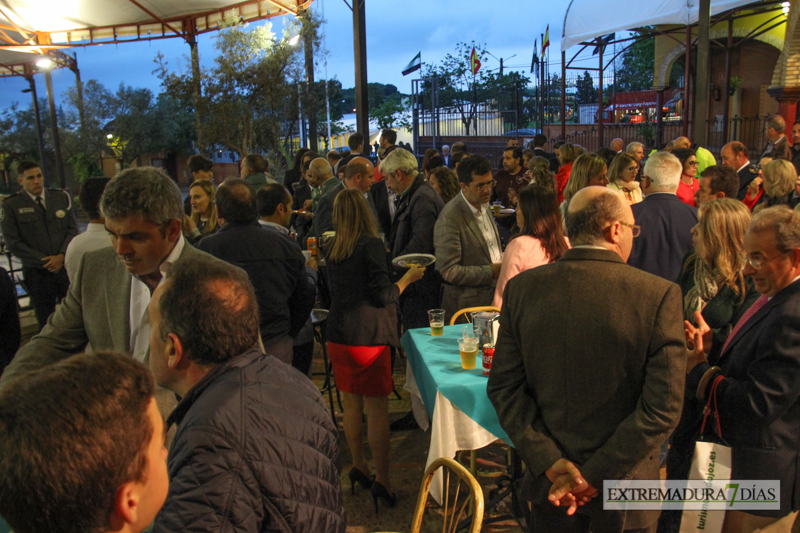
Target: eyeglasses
<point x="489" y="184"/>
<point x="760" y="262"/>
<point x="637" y="230"/>
<point x="692" y="163"/>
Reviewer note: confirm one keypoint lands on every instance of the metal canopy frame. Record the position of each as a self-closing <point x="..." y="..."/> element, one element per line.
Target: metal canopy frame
<point x="729" y="16"/>
<point x="14" y="38"/>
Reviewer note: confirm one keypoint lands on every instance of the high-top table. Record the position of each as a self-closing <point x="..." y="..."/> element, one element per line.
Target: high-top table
<point x="455" y="400"/>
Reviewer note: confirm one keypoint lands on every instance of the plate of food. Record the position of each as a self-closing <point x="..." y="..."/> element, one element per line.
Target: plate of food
<point x="405" y="261"/>
<point x="508" y="211"/>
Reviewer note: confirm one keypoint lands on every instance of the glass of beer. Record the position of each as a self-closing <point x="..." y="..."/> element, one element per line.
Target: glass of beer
<point x="496" y="208"/>
<point x="436" y="317"/>
<point x="468" y="349"/>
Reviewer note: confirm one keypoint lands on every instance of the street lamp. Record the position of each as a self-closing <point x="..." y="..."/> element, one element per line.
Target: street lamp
<point x="44" y="63"/>
<point x="294" y="40"/>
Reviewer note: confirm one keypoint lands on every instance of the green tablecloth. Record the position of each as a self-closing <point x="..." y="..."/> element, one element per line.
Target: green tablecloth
<point x="437" y="367"/>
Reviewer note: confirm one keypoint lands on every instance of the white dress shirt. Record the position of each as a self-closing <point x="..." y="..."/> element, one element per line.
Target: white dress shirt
<point x="140" y="298"/>
<point x="486" y="224"/>
<point x="94" y="238"/>
<point x="32" y="197"/>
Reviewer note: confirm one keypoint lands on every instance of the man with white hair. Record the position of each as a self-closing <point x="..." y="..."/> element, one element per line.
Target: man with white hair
<point x="636" y="150"/>
<point x="665" y="220"/>
<point x="418" y="207"/>
<point x="448" y="160"/>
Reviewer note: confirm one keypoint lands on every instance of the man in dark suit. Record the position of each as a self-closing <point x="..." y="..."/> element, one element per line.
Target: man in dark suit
<point x="539" y="141"/>
<point x="734" y="155"/>
<point x="796" y="147"/>
<point x="666" y="222"/>
<point x="356" y="144"/>
<point x="758" y="400"/>
<point x="778" y="145"/>
<point x="276" y="267"/>
<point x="383" y="199"/>
<point x="448" y="159"/>
<point x="624" y="354"/>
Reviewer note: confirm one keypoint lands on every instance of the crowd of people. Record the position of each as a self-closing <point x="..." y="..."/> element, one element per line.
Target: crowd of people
<point x="629" y="287"/>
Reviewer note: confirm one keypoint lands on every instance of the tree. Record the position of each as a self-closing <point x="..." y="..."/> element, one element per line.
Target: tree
<point x="458" y="86"/>
<point x="250" y="97"/>
<point x="392" y="113"/>
<point x="585" y="91"/>
<point x="635" y="66"/>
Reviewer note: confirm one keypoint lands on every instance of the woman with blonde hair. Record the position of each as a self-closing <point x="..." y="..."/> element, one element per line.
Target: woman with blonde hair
<point x="204" y="215"/>
<point x="589" y="169"/>
<point x="361" y="325"/>
<point x="566" y="155"/>
<point x="622" y="177"/>
<point x="780" y="179"/>
<point x="713" y="284"/>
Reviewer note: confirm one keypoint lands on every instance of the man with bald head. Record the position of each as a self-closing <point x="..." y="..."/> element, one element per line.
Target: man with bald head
<point x="705" y="158"/>
<point x="276" y="266"/>
<point x="322" y="205"/>
<point x="615" y="428"/>
<point x="617" y="145"/>
<point x="359" y="174"/>
<point x="777" y="144"/>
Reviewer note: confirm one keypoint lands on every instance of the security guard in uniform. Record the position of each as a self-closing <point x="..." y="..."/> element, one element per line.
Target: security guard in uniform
<point x="37" y="226"/>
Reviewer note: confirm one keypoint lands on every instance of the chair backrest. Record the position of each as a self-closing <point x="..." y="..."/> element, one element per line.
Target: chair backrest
<point x="454" y="511"/>
<point x="468" y="310"/>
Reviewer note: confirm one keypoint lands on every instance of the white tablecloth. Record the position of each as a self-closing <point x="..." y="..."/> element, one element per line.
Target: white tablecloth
<point x="451" y="430"/>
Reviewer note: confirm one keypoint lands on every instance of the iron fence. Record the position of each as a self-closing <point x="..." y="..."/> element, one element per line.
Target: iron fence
<point x="748" y="130"/>
<point x="482" y="123"/>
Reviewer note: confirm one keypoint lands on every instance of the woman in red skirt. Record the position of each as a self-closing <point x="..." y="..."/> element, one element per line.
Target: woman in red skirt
<point x="362" y="323"/>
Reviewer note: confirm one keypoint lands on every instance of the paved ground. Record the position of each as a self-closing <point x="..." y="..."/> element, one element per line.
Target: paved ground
<point x="409" y="454"/>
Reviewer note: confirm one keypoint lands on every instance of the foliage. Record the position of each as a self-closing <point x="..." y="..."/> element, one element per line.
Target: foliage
<point x="585" y="91"/>
<point x="85" y="166"/>
<point x="634" y="68"/>
<point x="392" y="113"/>
<point x="459" y="88"/>
<point x="250" y="97"/>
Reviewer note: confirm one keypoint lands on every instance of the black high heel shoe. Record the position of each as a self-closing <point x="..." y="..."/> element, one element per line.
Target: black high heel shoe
<point x="357" y="476"/>
<point x="379" y="492"/>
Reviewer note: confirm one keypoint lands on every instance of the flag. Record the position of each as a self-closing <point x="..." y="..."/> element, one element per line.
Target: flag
<point x="535" y="59"/>
<point x="546" y="40"/>
<point x="415" y="64"/>
<point x="474" y="62"/>
<point x="605" y="39"/>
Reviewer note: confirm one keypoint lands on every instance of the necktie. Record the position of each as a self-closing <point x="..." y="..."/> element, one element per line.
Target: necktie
<point x="758" y="304"/>
<point x="40" y="203"/>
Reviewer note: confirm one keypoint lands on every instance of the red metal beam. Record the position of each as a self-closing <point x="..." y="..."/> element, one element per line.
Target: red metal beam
<point x="156" y="17"/>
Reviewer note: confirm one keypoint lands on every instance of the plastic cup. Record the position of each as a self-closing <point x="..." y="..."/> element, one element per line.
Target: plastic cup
<point x="468" y="349"/>
<point x="436" y="318"/>
<point x="496" y="208"/>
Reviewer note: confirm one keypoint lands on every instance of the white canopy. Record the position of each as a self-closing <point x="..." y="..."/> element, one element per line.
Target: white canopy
<point x="35" y="25"/>
<point x="588" y="19"/>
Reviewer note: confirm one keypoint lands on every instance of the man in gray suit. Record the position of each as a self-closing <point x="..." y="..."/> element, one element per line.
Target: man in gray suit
<point x="574" y="325"/>
<point x="106" y="305"/>
<point x="468" y="253"/>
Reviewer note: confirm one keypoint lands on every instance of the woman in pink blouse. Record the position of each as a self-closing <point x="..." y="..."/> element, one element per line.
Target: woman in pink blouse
<point x="540" y="241"/>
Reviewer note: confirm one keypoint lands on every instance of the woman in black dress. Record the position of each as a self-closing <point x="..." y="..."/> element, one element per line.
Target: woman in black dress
<point x="361" y="325"/>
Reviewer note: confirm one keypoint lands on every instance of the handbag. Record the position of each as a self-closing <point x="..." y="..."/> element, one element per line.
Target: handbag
<point x="711" y="460"/>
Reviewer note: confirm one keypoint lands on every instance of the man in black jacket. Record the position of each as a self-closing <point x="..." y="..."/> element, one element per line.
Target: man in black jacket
<point x="275" y="266"/>
<point x="759" y="410"/>
<point x="734" y="155"/>
<point x="418" y="208"/>
<point x="666" y="222"/>
<point x="255" y="449"/>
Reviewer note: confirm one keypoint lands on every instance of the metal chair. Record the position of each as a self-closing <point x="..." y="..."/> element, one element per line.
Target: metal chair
<point x="318" y="318"/>
<point x="454" y="513"/>
<point x="468" y="310"/>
